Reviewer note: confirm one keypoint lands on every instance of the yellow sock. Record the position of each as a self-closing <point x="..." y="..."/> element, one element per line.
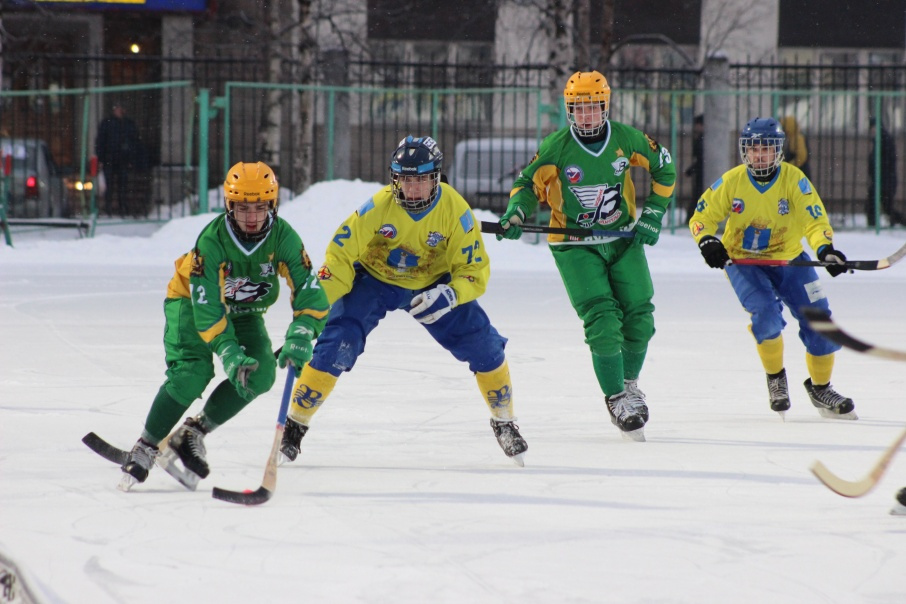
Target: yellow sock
<point x="820" y="368"/>
<point x="310" y="391"/>
<point x="771" y="353"/>
<point x="497" y="391"/>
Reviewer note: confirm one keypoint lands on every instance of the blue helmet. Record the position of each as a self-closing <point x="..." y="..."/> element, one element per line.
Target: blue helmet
<point x="761" y="132"/>
<point x="416" y="157"/>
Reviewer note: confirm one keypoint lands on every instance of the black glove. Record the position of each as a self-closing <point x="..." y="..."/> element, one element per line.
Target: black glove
<point x="713" y="251"/>
<point x="827" y="253"/>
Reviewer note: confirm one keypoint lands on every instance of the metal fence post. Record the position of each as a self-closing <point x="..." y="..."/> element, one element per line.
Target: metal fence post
<point x="204" y="123"/>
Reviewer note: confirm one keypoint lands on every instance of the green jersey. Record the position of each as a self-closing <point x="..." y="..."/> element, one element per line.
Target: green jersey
<point x="589" y="185"/>
<point x="226" y="277"/>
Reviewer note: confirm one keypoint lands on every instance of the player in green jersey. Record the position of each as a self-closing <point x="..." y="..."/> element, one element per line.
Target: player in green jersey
<point x="215" y="305"/>
<point x="582" y="172"/>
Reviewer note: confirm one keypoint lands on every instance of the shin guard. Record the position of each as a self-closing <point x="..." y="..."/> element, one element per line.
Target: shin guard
<point x="497" y="391"/>
<point x="311" y="390"/>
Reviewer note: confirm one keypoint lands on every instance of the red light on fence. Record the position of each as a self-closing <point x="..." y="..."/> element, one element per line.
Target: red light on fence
<point x="31" y="186"/>
<point x="8" y="165"/>
<point x="93" y="166"/>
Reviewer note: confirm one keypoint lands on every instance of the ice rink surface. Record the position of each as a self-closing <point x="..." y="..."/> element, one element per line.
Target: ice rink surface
<point x="401" y="493"/>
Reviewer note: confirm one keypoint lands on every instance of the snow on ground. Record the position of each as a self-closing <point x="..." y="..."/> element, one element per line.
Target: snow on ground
<point x="401" y="493"/>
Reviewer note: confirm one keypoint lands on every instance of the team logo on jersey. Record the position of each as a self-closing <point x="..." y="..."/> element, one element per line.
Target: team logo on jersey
<point x="500" y="398"/>
<point x="324" y="273"/>
<point x="738" y="206"/>
<point x="602" y="203"/>
<point x="573" y="174"/>
<point x="402" y="259"/>
<point x="387" y="231"/>
<point x="307" y="398"/>
<point x="783" y="207"/>
<point x="267" y="270"/>
<point x="697" y="227"/>
<point x="243" y="289"/>
<point x="434" y="238"/>
<point x="197" y="264"/>
<point x="619" y="166"/>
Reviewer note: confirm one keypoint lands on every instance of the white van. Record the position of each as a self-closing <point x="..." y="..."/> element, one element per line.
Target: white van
<point x="484" y="169"/>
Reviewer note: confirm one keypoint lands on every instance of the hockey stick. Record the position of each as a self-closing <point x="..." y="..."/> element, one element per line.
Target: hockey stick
<point x="269" y="482"/>
<point x="859" y="265"/>
<point x="819" y="320"/>
<point x="858" y="488"/>
<point x="494" y="228"/>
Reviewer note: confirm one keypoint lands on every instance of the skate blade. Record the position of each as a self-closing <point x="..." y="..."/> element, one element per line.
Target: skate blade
<point x="831" y="415"/>
<point x="782" y="415"/>
<point x="169" y="461"/>
<point x="898" y="510"/>
<point x="519" y="459"/>
<point x="637" y="435"/>
<point x="126" y="483"/>
<point x="282" y="459"/>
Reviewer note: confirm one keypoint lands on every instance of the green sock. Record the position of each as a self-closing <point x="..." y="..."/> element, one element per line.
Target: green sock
<point x="223" y="404"/>
<point x="609" y="371"/>
<point x="164" y="414"/>
<point x="632" y="362"/>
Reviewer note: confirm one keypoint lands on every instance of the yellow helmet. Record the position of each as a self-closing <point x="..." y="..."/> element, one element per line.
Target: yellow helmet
<point x="587" y="87"/>
<point x="250" y="183"/>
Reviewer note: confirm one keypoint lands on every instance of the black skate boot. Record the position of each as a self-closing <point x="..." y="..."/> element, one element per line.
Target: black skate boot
<point x="779" y="391"/>
<point x="636" y="398"/>
<point x="829" y="402"/>
<point x="509" y="439"/>
<point x="900" y="508"/>
<point x="188" y="444"/>
<point x="139" y="463"/>
<point x="292" y="439"/>
<point x="625" y="417"/>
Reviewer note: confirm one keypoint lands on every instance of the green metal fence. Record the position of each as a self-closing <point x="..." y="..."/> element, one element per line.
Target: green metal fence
<point x="192" y="137"/>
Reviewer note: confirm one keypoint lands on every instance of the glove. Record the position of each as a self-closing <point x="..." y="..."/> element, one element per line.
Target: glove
<point x="714" y="252"/>
<point x="431" y="305"/>
<point x="237" y="366"/>
<point x="297" y="348"/>
<point x="648" y="227"/>
<point x="511" y="221"/>
<point x="827" y="253"/>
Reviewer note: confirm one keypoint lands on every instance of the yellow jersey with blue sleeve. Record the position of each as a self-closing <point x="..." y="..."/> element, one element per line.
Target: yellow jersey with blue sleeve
<point x="764" y="220"/>
<point x="409" y="250"/>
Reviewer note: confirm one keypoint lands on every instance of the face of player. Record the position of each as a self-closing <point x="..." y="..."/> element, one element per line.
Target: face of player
<point x="251" y="217"/>
<point x="417" y="186"/>
<point x="761" y="157"/>
<point x="588" y="115"/>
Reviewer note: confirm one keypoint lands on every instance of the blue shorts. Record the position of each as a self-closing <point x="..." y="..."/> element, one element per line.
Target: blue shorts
<point x="465" y="331"/>
<point x="764" y="290"/>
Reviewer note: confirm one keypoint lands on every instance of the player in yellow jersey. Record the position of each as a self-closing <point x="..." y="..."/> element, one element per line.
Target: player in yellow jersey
<point x="770" y="206"/>
<point x="415" y="245"/>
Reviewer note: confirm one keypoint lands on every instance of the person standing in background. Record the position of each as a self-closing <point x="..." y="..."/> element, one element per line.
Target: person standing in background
<point x="888" y="188"/>
<point x="795" y="150"/>
<point x="118" y="148"/>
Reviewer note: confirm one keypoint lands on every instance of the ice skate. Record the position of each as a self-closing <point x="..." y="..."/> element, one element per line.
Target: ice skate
<point x="138" y="465"/>
<point x="899" y="509"/>
<point x="187" y="443"/>
<point x="829" y="402"/>
<point x="636" y="398"/>
<point x="625" y="417"/>
<point x="292" y="440"/>
<point x="779" y="392"/>
<point x="509" y="439"/>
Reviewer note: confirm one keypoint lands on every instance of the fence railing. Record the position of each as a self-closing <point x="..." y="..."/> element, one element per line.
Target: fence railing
<point x="191" y="136"/>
